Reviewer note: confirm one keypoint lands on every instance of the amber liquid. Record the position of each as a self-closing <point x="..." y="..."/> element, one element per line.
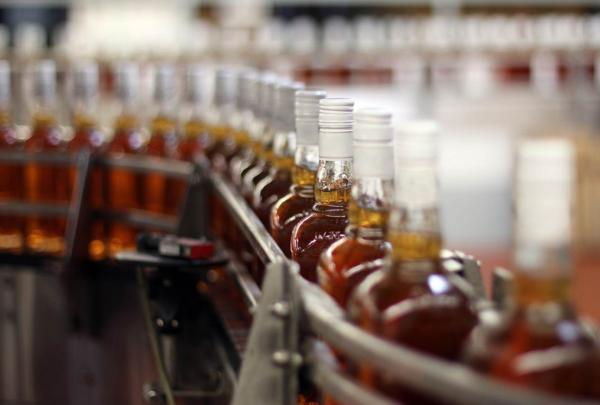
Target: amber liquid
<point x="11" y="190"/>
<point x="125" y="188"/>
<point x="270" y="189"/>
<point x="319" y="230"/>
<point x="243" y="158"/>
<point x="163" y="195"/>
<point x="347" y="262"/>
<point x="87" y="137"/>
<point x="544" y="322"/>
<point x="194" y="140"/>
<point x="46" y="183"/>
<point x="220" y="146"/>
<point x="436" y="317"/>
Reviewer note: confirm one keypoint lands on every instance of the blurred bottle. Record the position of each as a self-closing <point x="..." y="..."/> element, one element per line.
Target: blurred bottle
<point x="435" y="317"/>
<point x="277" y="183"/>
<point x="163" y="195"/>
<point x="297" y="204"/>
<point x="195" y="137"/>
<point x="11" y="175"/>
<point x="220" y="116"/>
<point x="125" y="188"/>
<point x="350" y="260"/>
<point x="329" y="216"/>
<point x="87" y="136"/>
<point x="541" y="343"/>
<point x="262" y="167"/>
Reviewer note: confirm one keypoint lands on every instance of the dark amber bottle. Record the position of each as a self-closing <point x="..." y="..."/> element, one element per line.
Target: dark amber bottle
<point x="277" y="183"/>
<point x="329" y="217"/>
<point x="541" y="343"/>
<point x="125" y="188"/>
<point x="46" y="183"/>
<point x="11" y="176"/>
<point x="88" y="136"/>
<point x="350" y="260"/>
<point x="162" y="195"/>
<point x="194" y="132"/>
<point x="411" y="301"/>
<point x="297" y="204"/>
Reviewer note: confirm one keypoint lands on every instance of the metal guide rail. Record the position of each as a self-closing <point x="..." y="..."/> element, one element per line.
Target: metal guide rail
<point x="291" y="308"/>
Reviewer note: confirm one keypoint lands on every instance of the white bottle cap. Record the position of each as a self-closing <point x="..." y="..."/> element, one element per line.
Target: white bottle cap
<point x="336" y="122"/>
<point x="164" y="83"/>
<point x="373" y="125"/>
<point x="264" y="101"/>
<point x="194" y="83"/>
<point x="85" y="80"/>
<point x="544" y="180"/>
<point x="45" y="80"/>
<point x="307" y="116"/>
<point x="128" y="81"/>
<point x="415" y="154"/>
<point x="225" y="87"/>
<point x="284" y="100"/>
<point x="5" y="89"/>
<point x="373" y="150"/>
<point x="247" y="87"/>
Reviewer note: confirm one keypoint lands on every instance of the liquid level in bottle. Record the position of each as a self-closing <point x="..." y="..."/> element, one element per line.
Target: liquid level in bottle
<point x="413" y="303"/>
<point x="316" y="232"/>
<point x="11" y="190"/>
<point x="542" y="345"/>
<point x="194" y="140"/>
<point x="125" y="188"/>
<point x="45" y="183"/>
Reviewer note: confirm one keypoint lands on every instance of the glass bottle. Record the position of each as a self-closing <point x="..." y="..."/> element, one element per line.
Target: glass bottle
<point x="219" y="117"/>
<point x="265" y="151"/>
<point x="125" y="188"/>
<point x="88" y="136"/>
<point x="45" y="183"/>
<point x="351" y="259"/>
<point x="277" y="183"/>
<point x="162" y="195"/>
<point x="11" y="175"/>
<point x="297" y="204"/>
<point x="195" y="138"/>
<point x="247" y="100"/>
<point x="412" y="301"/>
<point x="329" y="216"/>
<point x="541" y="343"/>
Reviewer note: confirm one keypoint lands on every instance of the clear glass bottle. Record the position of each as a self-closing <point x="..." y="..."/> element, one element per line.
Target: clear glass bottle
<point x="45" y="183"/>
<point x="329" y="216"/>
<point x="195" y="138"/>
<point x="11" y="176"/>
<point x="163" y="195"/>
<point x="297" y="204"/>
<point x="219" y="117"/>
<point x="125" y="188"/>
<point x="412" y="301"/>
<point x="541" y="343"/>
<point x="88" y="136"/>
<point x="277" y="183"/>
<point x="350" y="260"/>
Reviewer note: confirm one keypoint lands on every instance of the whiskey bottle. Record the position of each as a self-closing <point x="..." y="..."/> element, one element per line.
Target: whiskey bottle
<point x="88" y="136"/>
<point x="195" y="137"/>
<point x="436" y="316"/>
<point x="161" y="194"/>
<point x="277" y="183"/>
<point x="125" y="188"/>
<point x="45" y="183"/>
<point x="11" y="175"/>
<point x="297" y="204"/>
<point x="329" y="216"/>
<point x="541" y="343"/>
<point x="219" y="117"/>
<point x="350" y="260"/>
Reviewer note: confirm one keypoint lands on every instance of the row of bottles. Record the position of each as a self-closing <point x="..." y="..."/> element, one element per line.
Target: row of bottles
<point x="365" y="226"/>
<point x="118" y="189"/>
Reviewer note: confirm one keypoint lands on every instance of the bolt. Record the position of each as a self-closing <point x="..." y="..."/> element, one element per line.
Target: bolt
<point x="281" y="309"/>
<point x="160" y="322"/>
<point x="283" y="358"/>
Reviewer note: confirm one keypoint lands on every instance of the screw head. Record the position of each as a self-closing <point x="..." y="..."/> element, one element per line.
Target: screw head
<point x="281" y="309"/>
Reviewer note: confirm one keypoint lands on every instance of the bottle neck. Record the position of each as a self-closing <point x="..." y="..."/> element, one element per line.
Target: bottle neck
<point x="304" y="172"/>
<point x="369" y="208"/>
<point x="333" y="182"/>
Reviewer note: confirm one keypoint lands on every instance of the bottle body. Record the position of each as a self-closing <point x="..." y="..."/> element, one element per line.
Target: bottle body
<point x="287" y="212"/>
<point x="45" y="183"/>
<point x="11" y="190"/>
